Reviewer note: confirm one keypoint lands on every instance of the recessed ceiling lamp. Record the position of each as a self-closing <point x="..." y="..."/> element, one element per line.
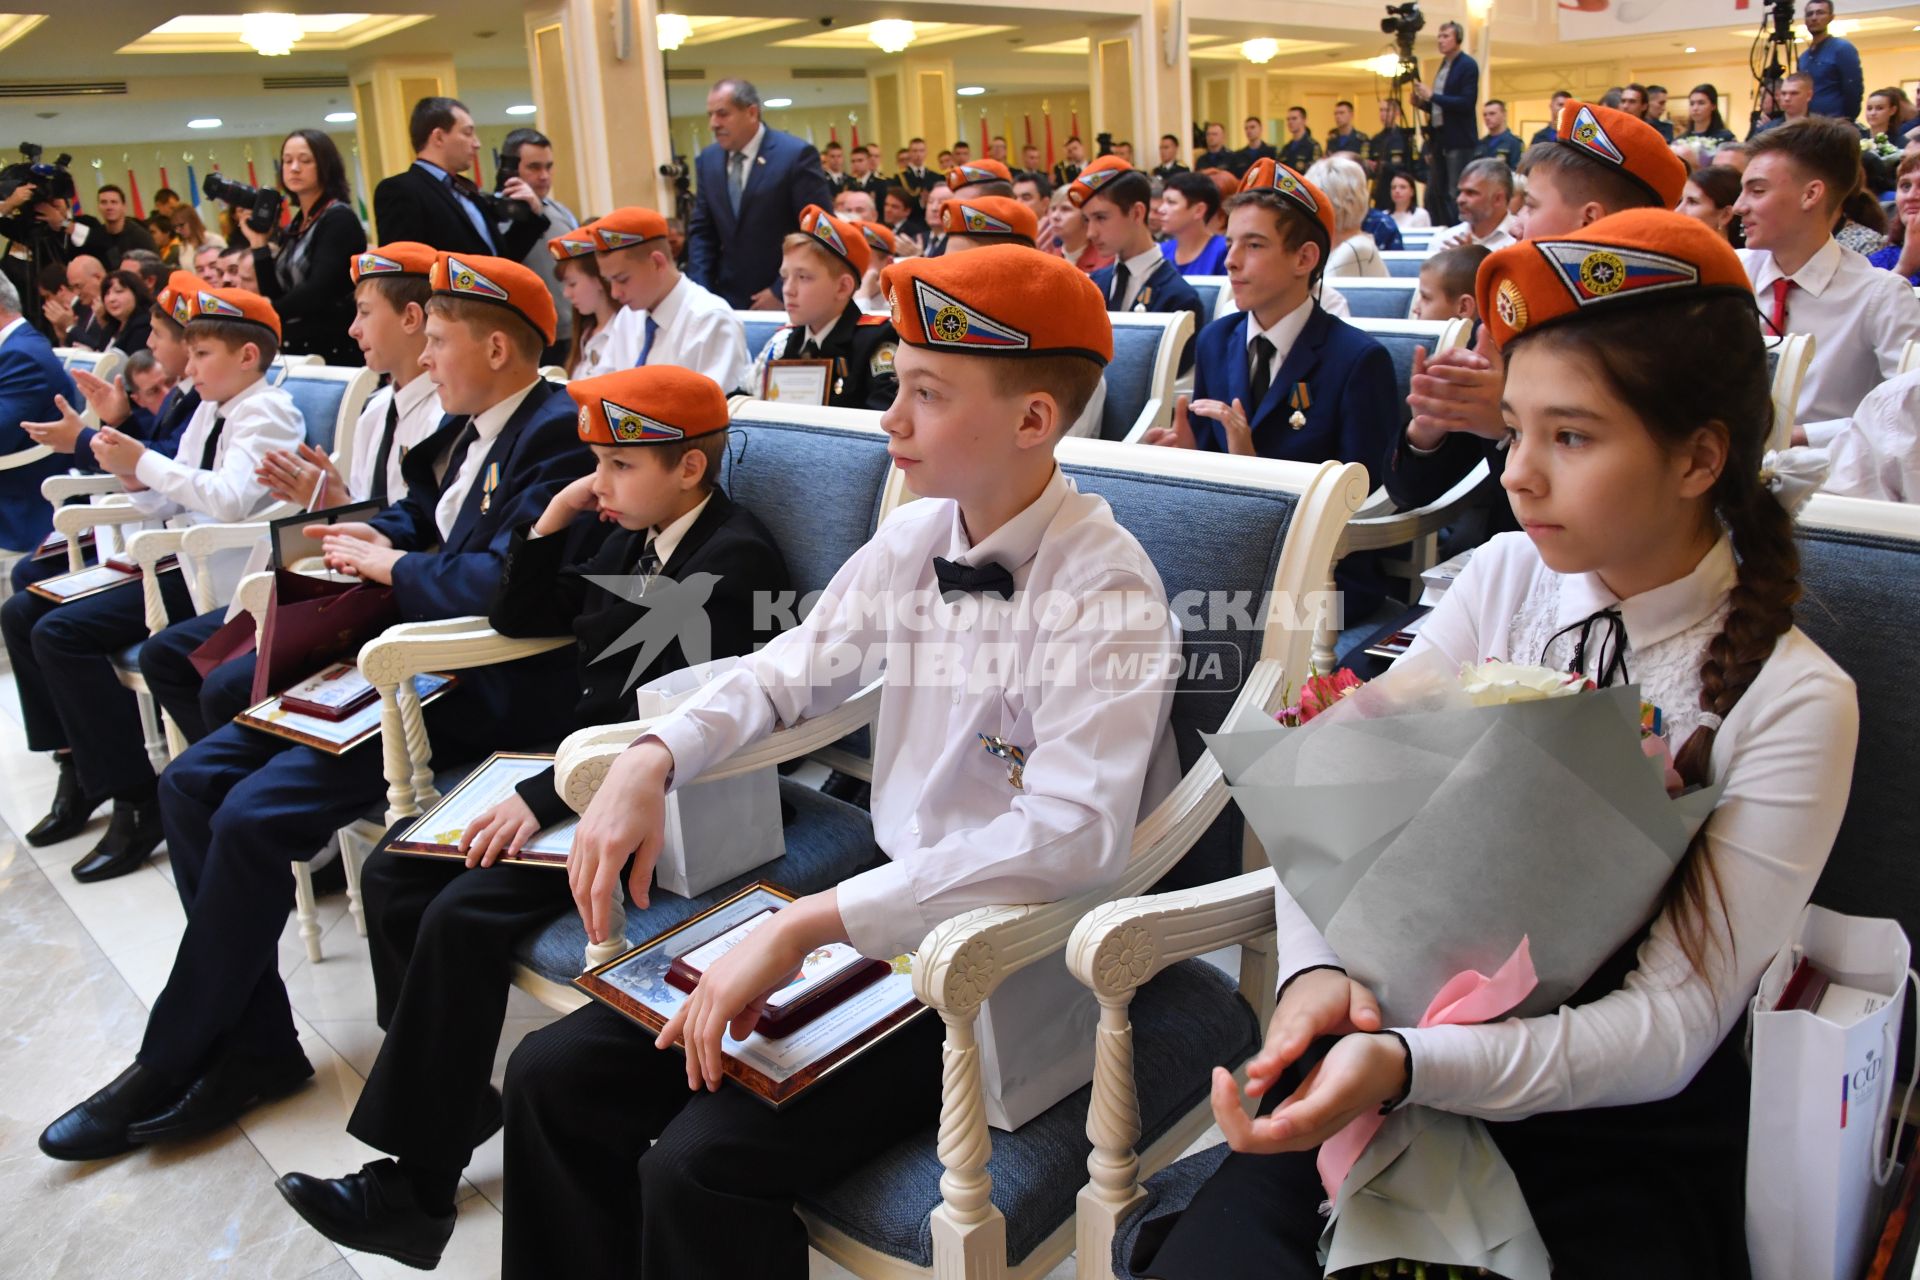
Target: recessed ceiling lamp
<point x="970" y="90"/>
<point x="271" y="35"/>
<point x="891" y="35"/>
<point x="1261" y="50"/>
<point x="524" y="109"/>
<point x="671" y="30"/>
<point x="206" y="122"/>
<point x="1691" y="49"/>
<point x="777" y="103"/>
<point x="340" y="117"/>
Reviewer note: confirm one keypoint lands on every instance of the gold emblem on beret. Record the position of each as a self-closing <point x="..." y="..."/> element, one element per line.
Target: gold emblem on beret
<point x="1511" y="305"/>
<point x="1602" y="272"/>
<point x="950" y="323"/>
<point x="586" y="422"/>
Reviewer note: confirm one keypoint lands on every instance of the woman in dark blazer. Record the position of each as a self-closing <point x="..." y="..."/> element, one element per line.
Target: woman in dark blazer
<point x="303" y="266"/>
<point x="126" y="300"/>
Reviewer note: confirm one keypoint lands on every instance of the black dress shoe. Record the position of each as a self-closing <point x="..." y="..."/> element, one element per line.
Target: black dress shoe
<point x="131" y="838"/>
<point x="97" y="1128"/>
<point x="222" y="1096"/>
<point x="373" y="1211"/>
<point x="70" y="812"/>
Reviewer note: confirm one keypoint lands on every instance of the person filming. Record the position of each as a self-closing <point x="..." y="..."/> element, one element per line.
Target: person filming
<point x="300" y="267"/>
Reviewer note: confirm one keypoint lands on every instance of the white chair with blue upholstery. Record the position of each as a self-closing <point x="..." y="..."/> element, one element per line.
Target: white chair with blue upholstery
<point x="1142" y="375"/>
<point x="760" y="326"/>
<point x="1788" y="361"/>
<point x="1404" y="264"/>
<point x="1370" y="297"/>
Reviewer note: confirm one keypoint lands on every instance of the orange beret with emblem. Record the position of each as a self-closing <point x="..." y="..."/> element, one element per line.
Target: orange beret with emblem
<point x="998" y="300"/>
<point x="498" y="281"/>
<point x="652" y="405"/>
<point x="236" y="305"/>
<point x="577" y="243"/>
<point x="880" y="237"/>
<point x="971" y="172"/>
<point x="1637" y="257"/>
<point x="1095" y="176"/>
<point x="1270" y="175"/>
<point x="179" y="300"/>
<point x="990" y="218"/>
<point x="837" y="236"/>
<point x="1626" y="144"/>
<point x="625" y="228"/>
<point x="401" y="258"/>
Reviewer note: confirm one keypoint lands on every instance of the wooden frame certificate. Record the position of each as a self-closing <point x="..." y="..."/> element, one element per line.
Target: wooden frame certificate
<point x="437" y="832"/>
<point x="797" y="381"/>
<point x="774" y="1070"/>
<point x="335" y="737"/>
<point x="86" y="582"/>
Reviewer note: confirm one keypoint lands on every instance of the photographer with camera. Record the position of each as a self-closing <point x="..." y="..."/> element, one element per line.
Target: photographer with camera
<point x="527" y="154"/>
<point x="1452" y="104"/>
<point x="36" y="220"/>
<point x="302" y="268"/>
<point x="435" y="203"/>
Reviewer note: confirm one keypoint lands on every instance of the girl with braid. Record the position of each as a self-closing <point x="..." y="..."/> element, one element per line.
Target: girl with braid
<point x="1652" y="551"/>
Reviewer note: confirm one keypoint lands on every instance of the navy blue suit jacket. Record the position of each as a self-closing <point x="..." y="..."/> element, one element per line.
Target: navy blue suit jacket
<point x="538" y="453"/>
<point x="736" y="256"/>
<point x="1165" y="290"/>
<point x="30" y="377"/>
<point x="1459" y="105"/>
<point x="160" y="431"/>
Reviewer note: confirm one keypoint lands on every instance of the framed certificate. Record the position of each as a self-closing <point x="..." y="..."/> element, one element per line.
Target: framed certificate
<point x="797" y="381"/>
<point x="290" y="545"/>
<point x="54" y="545"/>
<point x="87" y="582"/>
<point x="335" y="737"/>
<point x="775" y="1070"/>
<point x="437" y="832"/>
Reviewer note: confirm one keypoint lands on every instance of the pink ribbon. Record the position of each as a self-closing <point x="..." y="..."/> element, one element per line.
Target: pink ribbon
<point x="1466" y="998"/>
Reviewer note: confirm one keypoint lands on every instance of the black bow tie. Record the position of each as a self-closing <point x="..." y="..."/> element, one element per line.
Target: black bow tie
<point x="1601" y="629"/>
<point x="965" y="579"/>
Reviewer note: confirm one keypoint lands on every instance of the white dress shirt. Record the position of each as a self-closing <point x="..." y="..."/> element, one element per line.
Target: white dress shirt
<point x="596" y="353"/>
<point x="666" y="541"/>
<point x="1282" y="333"/>
<point x="698" y="331"/>
<point x="1413" y="220"/>
<point x="1139" y="267"/>
<point x="1357" y="255"/>
<point x="1460" y="234"/>
<point x="958" y="834"/>
<point x="1876" y="453"/>
<point x="1860" y="316"/>
<point x="1785" y="755"/>
<point x="488" y="423"/>
<point x="259" y="420"/>
<point x="420" y="415"/>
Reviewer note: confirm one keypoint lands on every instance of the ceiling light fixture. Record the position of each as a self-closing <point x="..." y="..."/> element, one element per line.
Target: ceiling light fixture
<point x="1385" y="65"/>
<point x="671" y="30"/>
<point x="524" y="109"/>
<point x="340" y="117"/>
<point x="971" y="90"/>
<point x="206" y="122"/>
<point x="1260" y="50"/>
<point x="1691" y="49"/>
<point x="271" y="35"/>
<point x="891" y="35"/>
<point x="777" y="103"/>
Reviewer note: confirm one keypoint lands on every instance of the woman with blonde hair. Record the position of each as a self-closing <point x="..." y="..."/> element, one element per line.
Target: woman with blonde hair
<point x="191" y="234"/>
<point x="1354" y="252"/>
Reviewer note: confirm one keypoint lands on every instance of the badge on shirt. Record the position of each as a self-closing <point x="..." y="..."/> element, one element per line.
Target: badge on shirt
<point x="1301" y="400"/>
<point x="487" y="487"/>
<point x="1016" y="759"/>
<point x="1146" y="296"/>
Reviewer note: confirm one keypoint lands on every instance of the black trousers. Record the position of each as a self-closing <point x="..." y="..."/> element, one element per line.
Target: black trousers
<point x="62" y="657"/>
<point x="27" y="570"/>
<point x="713" y="1196"/>
<point x="197" y="704"/>
<point x="442" y="939"/>
<point x="1444" y="168"/>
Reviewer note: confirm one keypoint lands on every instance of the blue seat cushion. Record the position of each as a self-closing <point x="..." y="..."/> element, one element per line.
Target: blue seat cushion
<point x="1169" y="1192"/>
<point x="1185" y="1021"/>
<point x="1377" y="304"/>
<point x="1129" y="378"/>
<point x="319" y="404"/>
<point x="1403" y="268"/>
<point x="827" y="841"/>
<point x="792" y="476"/>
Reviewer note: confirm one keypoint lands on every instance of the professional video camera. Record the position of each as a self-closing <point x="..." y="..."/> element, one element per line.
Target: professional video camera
<point x="1403" y="22"/>
<point x="262" y="203"/>
<point x="51" y="181"/>
<point x="501" y="208"/>
<point x="1775" y="43"/>
<point x="681" y="176"/>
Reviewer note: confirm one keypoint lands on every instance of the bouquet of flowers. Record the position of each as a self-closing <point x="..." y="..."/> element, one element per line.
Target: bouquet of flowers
<point x="1439" y="826"/>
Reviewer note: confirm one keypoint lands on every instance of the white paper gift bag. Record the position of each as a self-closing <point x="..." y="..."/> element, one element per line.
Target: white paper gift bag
<point x="714" y="830"/>
<point x="1819" y="1150"/>
<point x="1036" y="1042"/>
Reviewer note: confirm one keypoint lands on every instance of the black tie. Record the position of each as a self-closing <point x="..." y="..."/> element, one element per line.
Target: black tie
<point x="964" y="579"/>
<point x="809" y="350"/>
<point x="385" y="450"/>
<point x="212" y="445"/>
<point x="1121" y="279"/>
<point x="1261" y="376"/>
<point x="457" y="454"/>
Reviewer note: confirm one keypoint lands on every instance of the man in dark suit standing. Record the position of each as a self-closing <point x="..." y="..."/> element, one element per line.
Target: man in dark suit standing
<point x="1452" y="103"/>
<point x="751" y="185"/>
<point x="30" y="377"/>
<point x="434" y="202"/>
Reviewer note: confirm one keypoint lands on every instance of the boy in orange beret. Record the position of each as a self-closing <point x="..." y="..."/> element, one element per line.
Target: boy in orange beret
<point x="443" y="935"/>
<point x="983" y="177"/>
<point x="73" y="703"/>
<point x="882" y="244"/>
<point x="1115" y="199"/>
<point x="241" y="805"/>
<point x="819" y="273"/>
<point x="665" y="317"/>
<point x="982" y="792"/>
<point x="983" y="220"/>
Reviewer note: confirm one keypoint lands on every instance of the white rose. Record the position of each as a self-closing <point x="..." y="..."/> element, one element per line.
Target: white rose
<point x="1494" y="684"/>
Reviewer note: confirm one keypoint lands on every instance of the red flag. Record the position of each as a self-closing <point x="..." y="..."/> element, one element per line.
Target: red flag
<point x="856" y="135"/>
<point x="833" y="133"/>
<point x="133" y="188"/>
<point x="1074" y="132"/>
<point x="163" y="176"/>
<point x="1029" y="120"/>
<point x="1049" y="120"/>
<point x="251" y="180"/>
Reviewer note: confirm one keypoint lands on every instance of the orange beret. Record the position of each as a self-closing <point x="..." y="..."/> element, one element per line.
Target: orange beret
<point x="401" y="258"/>
<point x="501" y="282"/>
<point x="577" y="243"/>
<point x="624" y="228"/>
<point x="1639" y="255"/>
<point x="1270" y="175"/>
<point x="1095" y="176"/>
<point x="243" y="305"/>
<point x="1625" y="144"/>
<point x="180" y="299"/>
<point x="989" y="216"/>
<point x="967" y="173"/>
<point x="879" y="237"/>
<point x="1001" y="299"/>
<point x="654" y="404"/>
<point x="837" y="236"/>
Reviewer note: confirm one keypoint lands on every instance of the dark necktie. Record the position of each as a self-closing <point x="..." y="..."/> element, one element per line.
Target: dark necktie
<point x="212" y="445"/>
<point x="809" y="350"/>
<point x="1121" y="279"/>
<point x="385" y="450"/>
<point x="964" y="579"/>
<point x="649" y="566"/>
<point x="646" y="344"/>
<point x="171" y="411"/>
<point x="457" y="455"/>
<point x="1260" y="377"/>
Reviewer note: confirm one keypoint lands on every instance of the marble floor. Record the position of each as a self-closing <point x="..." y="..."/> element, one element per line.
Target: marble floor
<point x="85" y="962"/>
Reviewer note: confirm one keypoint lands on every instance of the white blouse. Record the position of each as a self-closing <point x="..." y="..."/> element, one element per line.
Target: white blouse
<point x="1413" y="220"/>
<point x="1785" y="754"/>
<point x="1357" y="255"/>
